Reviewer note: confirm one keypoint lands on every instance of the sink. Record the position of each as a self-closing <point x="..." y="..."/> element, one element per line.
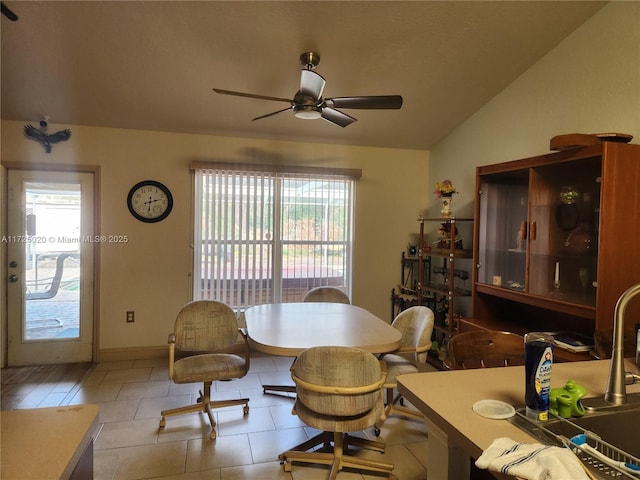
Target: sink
<point x="615" y="425"/>
<point x="619" y="428"/>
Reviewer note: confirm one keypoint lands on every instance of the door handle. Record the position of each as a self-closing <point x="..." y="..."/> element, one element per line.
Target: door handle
<point x="13" y="278"/>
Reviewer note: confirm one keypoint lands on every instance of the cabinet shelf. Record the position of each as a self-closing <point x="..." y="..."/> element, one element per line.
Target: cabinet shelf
<point x="561" y="304"/>
<point x="445" y="252"/>
<point x="413" y="258"/>
<point x="443" y="290"/>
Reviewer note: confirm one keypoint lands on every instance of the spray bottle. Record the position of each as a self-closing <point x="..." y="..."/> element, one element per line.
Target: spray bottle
<point x="538" y="359"/>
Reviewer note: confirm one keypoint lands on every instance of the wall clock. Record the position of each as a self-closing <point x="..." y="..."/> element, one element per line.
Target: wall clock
<point x="150" y="201"/>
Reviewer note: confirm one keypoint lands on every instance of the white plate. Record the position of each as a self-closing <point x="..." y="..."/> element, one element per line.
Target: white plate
<point x="494" y="409"/>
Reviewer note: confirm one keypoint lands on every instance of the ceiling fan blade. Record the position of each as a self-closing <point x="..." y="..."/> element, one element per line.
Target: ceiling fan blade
<point x="6" y="11"/>
<point x="312" y="84"/>
<point x="369" y="102"/>
<point x="251" y="95"/>
<point x="270" y="114"/>
<point x="337" y="117"/>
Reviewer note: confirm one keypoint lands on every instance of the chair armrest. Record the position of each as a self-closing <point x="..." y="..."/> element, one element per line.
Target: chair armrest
<point x="339" y="389"/>
<point x="172" y="355"/>
<point x="247" y="348"/>
<point x="383" y="369"/>
<point x="406" y="349"/>
<point x="424" y="348"/>
<point x="410" y="349"/>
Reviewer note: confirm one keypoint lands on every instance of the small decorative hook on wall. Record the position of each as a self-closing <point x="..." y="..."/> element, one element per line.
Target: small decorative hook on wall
<point x="43" y="138"/>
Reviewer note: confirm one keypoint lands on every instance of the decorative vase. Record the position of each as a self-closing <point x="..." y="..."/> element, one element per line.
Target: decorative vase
<point x="445" y="211"/>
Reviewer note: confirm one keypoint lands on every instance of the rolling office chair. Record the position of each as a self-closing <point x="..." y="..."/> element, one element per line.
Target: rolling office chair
<point x="416" y="325"/>
<point x="326" y="294"/>
<point x="201" y="329"/>
<point x="338" y="391"/>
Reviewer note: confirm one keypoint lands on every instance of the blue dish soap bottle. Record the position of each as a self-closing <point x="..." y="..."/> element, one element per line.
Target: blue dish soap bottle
<point x="538" y="360"/>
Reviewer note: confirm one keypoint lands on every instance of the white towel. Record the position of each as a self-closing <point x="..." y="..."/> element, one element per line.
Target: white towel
<point x="531" y="461"/>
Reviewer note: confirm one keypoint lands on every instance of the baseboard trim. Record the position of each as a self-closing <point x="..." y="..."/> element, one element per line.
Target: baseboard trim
<point x="146" y="353"/>
<point x="132" y="353"/>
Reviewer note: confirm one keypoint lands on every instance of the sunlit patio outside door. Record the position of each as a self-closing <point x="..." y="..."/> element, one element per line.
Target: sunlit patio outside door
<point x="52" y="262"/>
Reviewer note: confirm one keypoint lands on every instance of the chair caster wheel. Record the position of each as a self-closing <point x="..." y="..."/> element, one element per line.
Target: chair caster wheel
<point x="402" y="401"/>
<point x="163" y="423"/>
<point x="212" y="435"/>
<point x="245" y="409"/>
<point x="376" y="431"/>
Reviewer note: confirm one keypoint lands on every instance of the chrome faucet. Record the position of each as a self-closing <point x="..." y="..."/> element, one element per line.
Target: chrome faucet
<point x="616" y="389"/>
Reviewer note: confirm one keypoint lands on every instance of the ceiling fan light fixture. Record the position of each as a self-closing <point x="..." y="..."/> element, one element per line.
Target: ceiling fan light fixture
<point x="307" y="112"/>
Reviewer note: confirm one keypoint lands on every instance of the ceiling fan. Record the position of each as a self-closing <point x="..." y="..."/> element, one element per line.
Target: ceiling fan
<point x="308" y="102"/>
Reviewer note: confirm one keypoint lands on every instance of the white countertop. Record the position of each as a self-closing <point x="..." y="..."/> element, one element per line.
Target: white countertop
<point x="446" y="398"/>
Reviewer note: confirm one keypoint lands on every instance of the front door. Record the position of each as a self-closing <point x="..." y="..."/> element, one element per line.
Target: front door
<point x="50" y="252"/>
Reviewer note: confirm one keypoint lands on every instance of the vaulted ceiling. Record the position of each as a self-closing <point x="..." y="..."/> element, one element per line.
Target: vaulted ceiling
<point x="152" y="65"/>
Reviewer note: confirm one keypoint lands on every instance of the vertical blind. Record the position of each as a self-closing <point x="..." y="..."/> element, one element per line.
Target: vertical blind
<point x="270" y="236"/>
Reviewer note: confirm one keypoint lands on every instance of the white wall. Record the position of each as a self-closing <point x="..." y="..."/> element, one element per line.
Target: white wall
<point x="151" y="273"/>
<point x="590" y="83"/>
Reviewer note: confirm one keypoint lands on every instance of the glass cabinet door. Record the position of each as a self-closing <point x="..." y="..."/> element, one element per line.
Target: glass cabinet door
<point x="502" y="242"/>
<point x="563" y="237"/>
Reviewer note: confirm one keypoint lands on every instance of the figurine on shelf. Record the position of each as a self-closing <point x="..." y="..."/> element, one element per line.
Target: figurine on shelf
<point x="444" y="232"/>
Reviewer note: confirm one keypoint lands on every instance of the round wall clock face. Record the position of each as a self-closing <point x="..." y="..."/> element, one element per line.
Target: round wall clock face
<point x="150" y="201"/>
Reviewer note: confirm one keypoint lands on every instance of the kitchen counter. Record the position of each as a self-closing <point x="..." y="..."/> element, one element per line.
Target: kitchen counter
<point x="457" y="434"/>
<point x="48" y="443"/>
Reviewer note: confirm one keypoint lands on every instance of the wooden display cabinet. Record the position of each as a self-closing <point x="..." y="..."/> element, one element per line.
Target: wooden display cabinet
<point x="557" y="239"/>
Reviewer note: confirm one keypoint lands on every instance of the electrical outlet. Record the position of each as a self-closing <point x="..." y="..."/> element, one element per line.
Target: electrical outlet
<point x="130" y="317"/>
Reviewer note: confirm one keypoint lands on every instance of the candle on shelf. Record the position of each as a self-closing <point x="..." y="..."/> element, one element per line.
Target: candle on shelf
<point x="556" y="278"/>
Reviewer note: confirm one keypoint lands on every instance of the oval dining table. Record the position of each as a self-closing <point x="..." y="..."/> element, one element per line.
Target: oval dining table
<point x="287" y="329"/>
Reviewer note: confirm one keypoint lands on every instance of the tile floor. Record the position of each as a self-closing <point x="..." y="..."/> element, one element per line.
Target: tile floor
<point x="130" y="445"/>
